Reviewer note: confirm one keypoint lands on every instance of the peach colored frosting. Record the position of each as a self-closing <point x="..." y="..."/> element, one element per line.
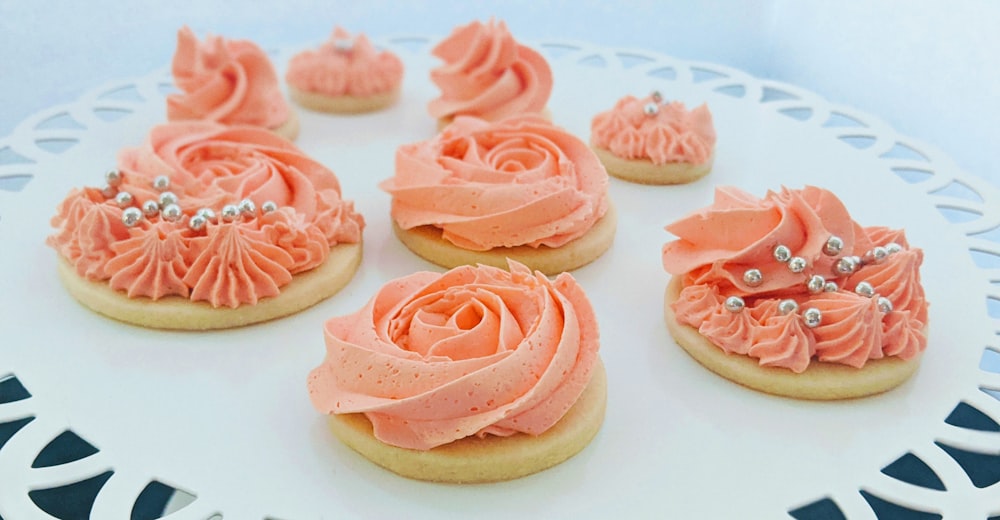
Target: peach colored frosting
<point x="487" y="74"/>
<point x="224" y="261"/>
<point x="717" y="245"/>
<point x="433" y="358"/>
<point x="671" y="134"/>
<point x="519" y="181"/>
<point x="228" y="81"/>
<point x="345" y="66"/>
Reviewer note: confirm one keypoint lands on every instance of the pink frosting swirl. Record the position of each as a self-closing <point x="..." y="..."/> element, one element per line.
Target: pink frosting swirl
<point x="488" y="74"/>
<point x="433" y="358"/>
<point x="739" y="231"/>
<point x="333" y="70"/>
<point x="716" y="246"/>
<point x="520" y="181"/>
<point x="229" y="263"/>
<point x="670" y="135"/>
<point x="228" y="81"/>
<point x="152" y="263"/>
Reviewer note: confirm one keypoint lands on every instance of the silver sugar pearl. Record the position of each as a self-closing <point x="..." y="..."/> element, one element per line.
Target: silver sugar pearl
<point x="812" y="317"/>
<point x="656" y="96"/>
<point x="865" y="289"/>
<point x="782" y="253"/>
<point x="108" y="192"/>
<point x="230" y="212"/>
<point x="268" y="206"/>
<point x="734" y="304"/>
<point x="879" y="254"/>
<point x="834" y="245"/>
<point x="845" y="265"/>
<point x="343" y="44"/>
<point x="797" y="264"/>
<point x="131" y="216"/>
<point x="816" y="284"/>
<point x="123" y="199"/>
<point x="113" y="178"/>
<point x="884" y="304"/>
<point x="651" y="109"/>
<point x="171" y="213"/>
<point x="830" y="287"/>
<point x="247" y="208"/>
<point x="150" y="208"/>
<point x="197" y="223"/>
<point x="167" y="198"/>
<point x="753" y="277"/>
<point x="206" y="213"/>
<point x="161" y="183"/>
<point x="893" y="247"/>
<point x="787" y="307"/>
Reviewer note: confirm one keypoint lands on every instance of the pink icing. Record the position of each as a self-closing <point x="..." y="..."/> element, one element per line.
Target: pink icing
<point x="228" y="81"/>
<point x="715" y="246"/>
<point x="152" y="263"/>
<point x="356" y="71"/>
<point x="487" y="74"/>
<point x="225" y="263"/>
<point x="519" y="181"/>
<point x="433" y="358"/>
<point x="671" y="135"/>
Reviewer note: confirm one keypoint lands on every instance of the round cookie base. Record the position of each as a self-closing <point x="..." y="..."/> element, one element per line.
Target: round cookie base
<point x="643" y="171"/>
<point x="177" y="313"/>
<point x="290" y="128"/>
<point x="820" y="381"/>
<point x="427" y="242"/>
<point x="488" y="459"/>
<point x="345" y="104"/>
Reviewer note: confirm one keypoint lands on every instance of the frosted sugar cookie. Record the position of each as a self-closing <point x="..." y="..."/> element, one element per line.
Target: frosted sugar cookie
<point x="789" y="295"/>
<point x="520" y="188"/>
<point x="207" y="226"/>
<point x="475" y="375"/>
<point x="345" y="75"/>
<point x="650" y="141"/>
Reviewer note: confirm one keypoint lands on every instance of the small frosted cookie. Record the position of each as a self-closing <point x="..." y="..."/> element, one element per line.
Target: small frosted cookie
<point x="230" y="82"/>
<point x="480" y="192"/>
<point x="649" y="141"/>
<point x="205" y="227"/>
<point x="789" y="295"/>
<point x="434" y="378"/>
<point x="345" y="75"/>
<point x="488" y="74"/>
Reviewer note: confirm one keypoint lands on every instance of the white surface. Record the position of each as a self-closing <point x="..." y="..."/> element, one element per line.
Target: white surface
<point x="225" y="415"/>
<point x="931" y="68"/>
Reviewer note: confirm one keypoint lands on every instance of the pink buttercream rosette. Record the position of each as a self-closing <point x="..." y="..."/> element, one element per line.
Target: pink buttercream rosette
<point x="229" y="262"/>
<point x="226" y="81"/>
<point x="345" y="66"/>
<point x="519" y="181"/>
<point x="487" y="74"/>
<point x="717" y="246"/>
<point x="671" y="134"/>
<point x="434" y="358"/>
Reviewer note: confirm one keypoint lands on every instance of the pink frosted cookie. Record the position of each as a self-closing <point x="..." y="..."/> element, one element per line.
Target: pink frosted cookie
<point x="230" y="82"/>
<point x="345" y="75"/>
<point x="652" y="142"/>
<point x="489" y="75"/>
<point x="207" y="226"/>
<point x="520" y="188"/>
<point x="476" y="375"/>
<point x="789" y="295"/>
